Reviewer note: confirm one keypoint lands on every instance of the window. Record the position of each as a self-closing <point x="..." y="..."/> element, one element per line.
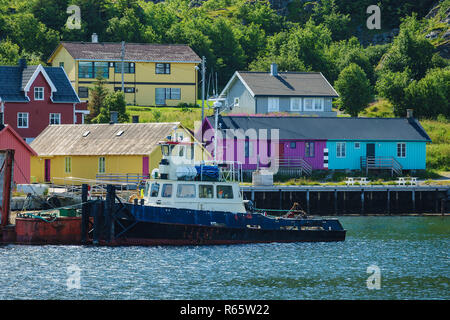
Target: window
<point x="236" y="102"/>
<point x="340" y="149"/>
<point x="248" y="148"/>
<point x="129" y="89"/>
<point x="101" y="165"/>
<point x="313" y="104"/>
<point x="166" y="190"/>
<point x="128" y="67"/>
<point x="22" y="120"/>
<point x="273" y="104"/>
<point x="38" y="93"/>
<point x="61" y="64"/>
<point x="296" y="104"/>
<point x="92" y="69"/>
<point x="318" y="104"/>
<point x="224" y="192"/>
<point x="173" y="93"/>
<point x="162" y="68"/>
<point x="1" y="118"/>
<point x="206" y="191"/>
<point x="309" y="149"/>
<point x="357" y="145"/>
<point x="68" y="164"/>
<point x="186" y="191"/>
<point x="83" y="92"/>
<point x="401" y="150"/>
<point x="293" y="145"/>
<point x="55" y="118"/>
<point x="154" y="190"/>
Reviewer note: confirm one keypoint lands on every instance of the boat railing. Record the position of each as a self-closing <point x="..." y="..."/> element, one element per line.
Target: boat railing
<point x="230" y="171"/>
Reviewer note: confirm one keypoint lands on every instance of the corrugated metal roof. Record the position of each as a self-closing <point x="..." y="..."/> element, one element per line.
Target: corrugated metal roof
<point x="330" y="128"/>
<point x="102" y="139"/>
<point x="133" y="51"/>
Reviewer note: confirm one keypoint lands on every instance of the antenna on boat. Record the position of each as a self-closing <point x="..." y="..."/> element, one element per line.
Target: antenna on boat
<point x="217" y="109"/>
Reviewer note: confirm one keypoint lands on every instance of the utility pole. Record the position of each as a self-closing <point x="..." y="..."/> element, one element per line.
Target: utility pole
<point x="203" y="86"/>
<point x="123" y="67"/>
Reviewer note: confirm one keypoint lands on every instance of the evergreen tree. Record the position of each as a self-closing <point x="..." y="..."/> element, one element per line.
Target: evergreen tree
<point x="97" y="99"/>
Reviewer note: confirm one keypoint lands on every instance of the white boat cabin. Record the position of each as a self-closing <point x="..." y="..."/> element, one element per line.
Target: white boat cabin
<point x="177" y="184"/>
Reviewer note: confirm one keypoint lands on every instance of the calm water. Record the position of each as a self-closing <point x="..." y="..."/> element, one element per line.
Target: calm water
<point x="411" y="252"/>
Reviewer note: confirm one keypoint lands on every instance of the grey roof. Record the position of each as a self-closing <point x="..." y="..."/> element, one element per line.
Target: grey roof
<point x="13" y="81"/>
<point x="68" y="139"/>
<point x="288" y="84"/>
<point x="11" y="84"/>
<point x="133" y="52"/>
<point x="326" y="128"/>
<point x="65" y="91"/>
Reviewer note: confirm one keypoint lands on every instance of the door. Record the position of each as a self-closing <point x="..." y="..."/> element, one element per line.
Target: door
<point x="47" y="170"/>
<point x="370" y="154"/>
<point x="145" y="168"/>
<point x="160" y="96"/>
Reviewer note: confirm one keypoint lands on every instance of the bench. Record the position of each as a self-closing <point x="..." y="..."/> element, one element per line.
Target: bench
<point x="359" y="180"/>
<point x="410" y="180"/>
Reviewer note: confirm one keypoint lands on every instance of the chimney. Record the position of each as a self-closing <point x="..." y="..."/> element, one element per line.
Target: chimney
<point x="409" y="113"/>
<point x="274" y="69"/>
<point x="135" y="119"/>
<point x="22" y="63"/>
<point x="94" y="38"/>
<point x="113" y="117"/>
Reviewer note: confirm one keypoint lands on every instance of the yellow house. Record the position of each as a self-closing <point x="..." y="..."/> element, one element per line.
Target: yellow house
<point x="88" y="151"/>
<point x="153" y="74"/>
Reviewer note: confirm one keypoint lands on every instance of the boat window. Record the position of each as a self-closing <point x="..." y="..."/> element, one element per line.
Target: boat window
<point x="154" y="190"/>
<point x="186" y="191"/>
<point x="206" y="191"/>
<point x="166" y="190"/>
<point x="146" y="189"/>
<point x="224" y="192"/>
<point x="181" y="152"/>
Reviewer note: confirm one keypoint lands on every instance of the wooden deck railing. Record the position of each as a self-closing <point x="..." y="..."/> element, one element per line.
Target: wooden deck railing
<point x="389" y="163"/>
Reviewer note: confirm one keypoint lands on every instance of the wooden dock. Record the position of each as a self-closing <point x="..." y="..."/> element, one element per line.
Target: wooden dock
<point x="368" y="199"/>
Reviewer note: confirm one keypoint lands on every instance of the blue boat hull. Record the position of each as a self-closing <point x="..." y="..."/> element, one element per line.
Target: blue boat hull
<point x="168" y="226"/>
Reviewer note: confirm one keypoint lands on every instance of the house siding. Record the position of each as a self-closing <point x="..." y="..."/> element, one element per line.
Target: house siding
<point x="262" y="106"/>
<point x="316" y="162"/>
<point x="38" y="111"/>
<point x="415" y="154"/>
<point x="246" y="101"/>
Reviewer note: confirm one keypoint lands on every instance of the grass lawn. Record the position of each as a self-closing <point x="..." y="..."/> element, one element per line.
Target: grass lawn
<point x="187" y="116"/>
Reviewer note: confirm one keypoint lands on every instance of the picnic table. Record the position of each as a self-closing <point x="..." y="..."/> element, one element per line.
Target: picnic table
<point x="403" y="180"/>
<point x="359" y="180"/>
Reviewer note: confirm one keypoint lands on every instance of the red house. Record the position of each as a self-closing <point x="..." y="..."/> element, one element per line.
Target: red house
<point x="32" y="97"/>
<point x="10" y="139"/>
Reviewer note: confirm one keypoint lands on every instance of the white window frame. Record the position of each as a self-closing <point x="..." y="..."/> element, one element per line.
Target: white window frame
<point x="341" y="151"/>
<point x="38" y="91"/>
<point x="273" y="104"/>
<point x="236" y="102"/>
<point x="320" y="101"/>
<point x="294" y="102"/>
<point x="402" y="150"/>
<point x="21" y="118"/>
<point x="305" y="104"/>
<point x="101" y="165"/>
<point x="52" y="115"/>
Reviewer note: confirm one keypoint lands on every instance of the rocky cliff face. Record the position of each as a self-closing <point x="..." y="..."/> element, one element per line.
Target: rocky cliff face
<point x="439" y="32"/>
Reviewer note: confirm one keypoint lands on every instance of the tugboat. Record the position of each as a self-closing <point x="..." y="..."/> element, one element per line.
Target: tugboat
<point x="201" y="204"/>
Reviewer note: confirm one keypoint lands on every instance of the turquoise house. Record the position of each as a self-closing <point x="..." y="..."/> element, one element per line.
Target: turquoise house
<point x="394" y="144"/>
